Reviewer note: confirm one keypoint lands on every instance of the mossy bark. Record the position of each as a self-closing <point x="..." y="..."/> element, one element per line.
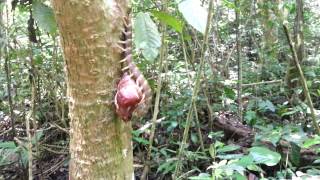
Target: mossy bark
<point x="100" y="144"/>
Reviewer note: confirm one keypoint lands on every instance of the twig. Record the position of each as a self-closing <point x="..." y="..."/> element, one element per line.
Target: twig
<point x="302" y="78"/>
<point x="147" y="125"/>
<point x="30" y="157"/>
<point x="236" y="10"/>
<point x="59" y="127"/>
<point x="198" y="127"/>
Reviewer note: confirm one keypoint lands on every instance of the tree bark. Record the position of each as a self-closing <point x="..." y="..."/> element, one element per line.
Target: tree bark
<point x="298" y="30"/>
<point x="100" y="144"/>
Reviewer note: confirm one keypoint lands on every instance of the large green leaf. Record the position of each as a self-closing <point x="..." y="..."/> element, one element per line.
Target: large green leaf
<point x="44" y="17"/>
<point x="195" y="14"/>
<point x="146" y="37"/>
<point x="264" y="156"/>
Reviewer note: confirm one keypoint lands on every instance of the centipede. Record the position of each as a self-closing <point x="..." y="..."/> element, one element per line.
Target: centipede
<point x="133" y="95"/>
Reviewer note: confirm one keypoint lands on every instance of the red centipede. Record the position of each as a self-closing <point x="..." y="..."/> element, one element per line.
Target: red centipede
<point x="133" y="92"/>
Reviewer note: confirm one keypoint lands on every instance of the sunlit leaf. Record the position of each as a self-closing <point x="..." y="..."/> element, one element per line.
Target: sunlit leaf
<point x="195" y="14"/>
<point x="169" y="20"/>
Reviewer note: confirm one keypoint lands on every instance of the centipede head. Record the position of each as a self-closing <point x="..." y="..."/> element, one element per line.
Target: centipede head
<point x="127" y="98"/>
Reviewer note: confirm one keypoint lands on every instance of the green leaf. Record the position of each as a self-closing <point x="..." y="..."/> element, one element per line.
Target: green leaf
<point x="194" y="13"/>
<point x="245" y="161"/>
<point x="194" y="138"/>
<point x="44" y="17"/>
<point x="216" y="135"/>
<point x="250" y="117"/>
<point x="295" y="154"/>
<point x="37" y="137"/>
<point x="201" y="176"/>
<point x="288" y="113"/>
<point x="229" y="93"/>
<point x="136" y="133"/>
<point x="218" y="144"/>
<point x="253" y="167"/>
<point x="271" y="135"/>
<point x="229" y="4"/>
<point x="229" y="156"/>
<point x="38" y="60"/>
<point x="234" y="167"/>
<point x="166" y="167"/>
<point x="296" y="137"/>
<point x="169" y="20"/>
<point x="141" y="140"/>
<point x="172" y="125"/>
<point x="317" y="161"/>
<point x="7" y="145"/>
<point x="266" y="105"/>
<point x="212" y="151"/>
<point x="24" y="157"/>
<point x="262" y="155"/>
<point x="147" y="37"/>
<point x="228" y="148"/>
<point x="312" y="141"/>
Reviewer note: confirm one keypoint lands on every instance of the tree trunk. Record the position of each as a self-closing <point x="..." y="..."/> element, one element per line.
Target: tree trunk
<point x="100" y="144"/>
<point x="292" y="75"/>
<point x="298" y="30"/>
